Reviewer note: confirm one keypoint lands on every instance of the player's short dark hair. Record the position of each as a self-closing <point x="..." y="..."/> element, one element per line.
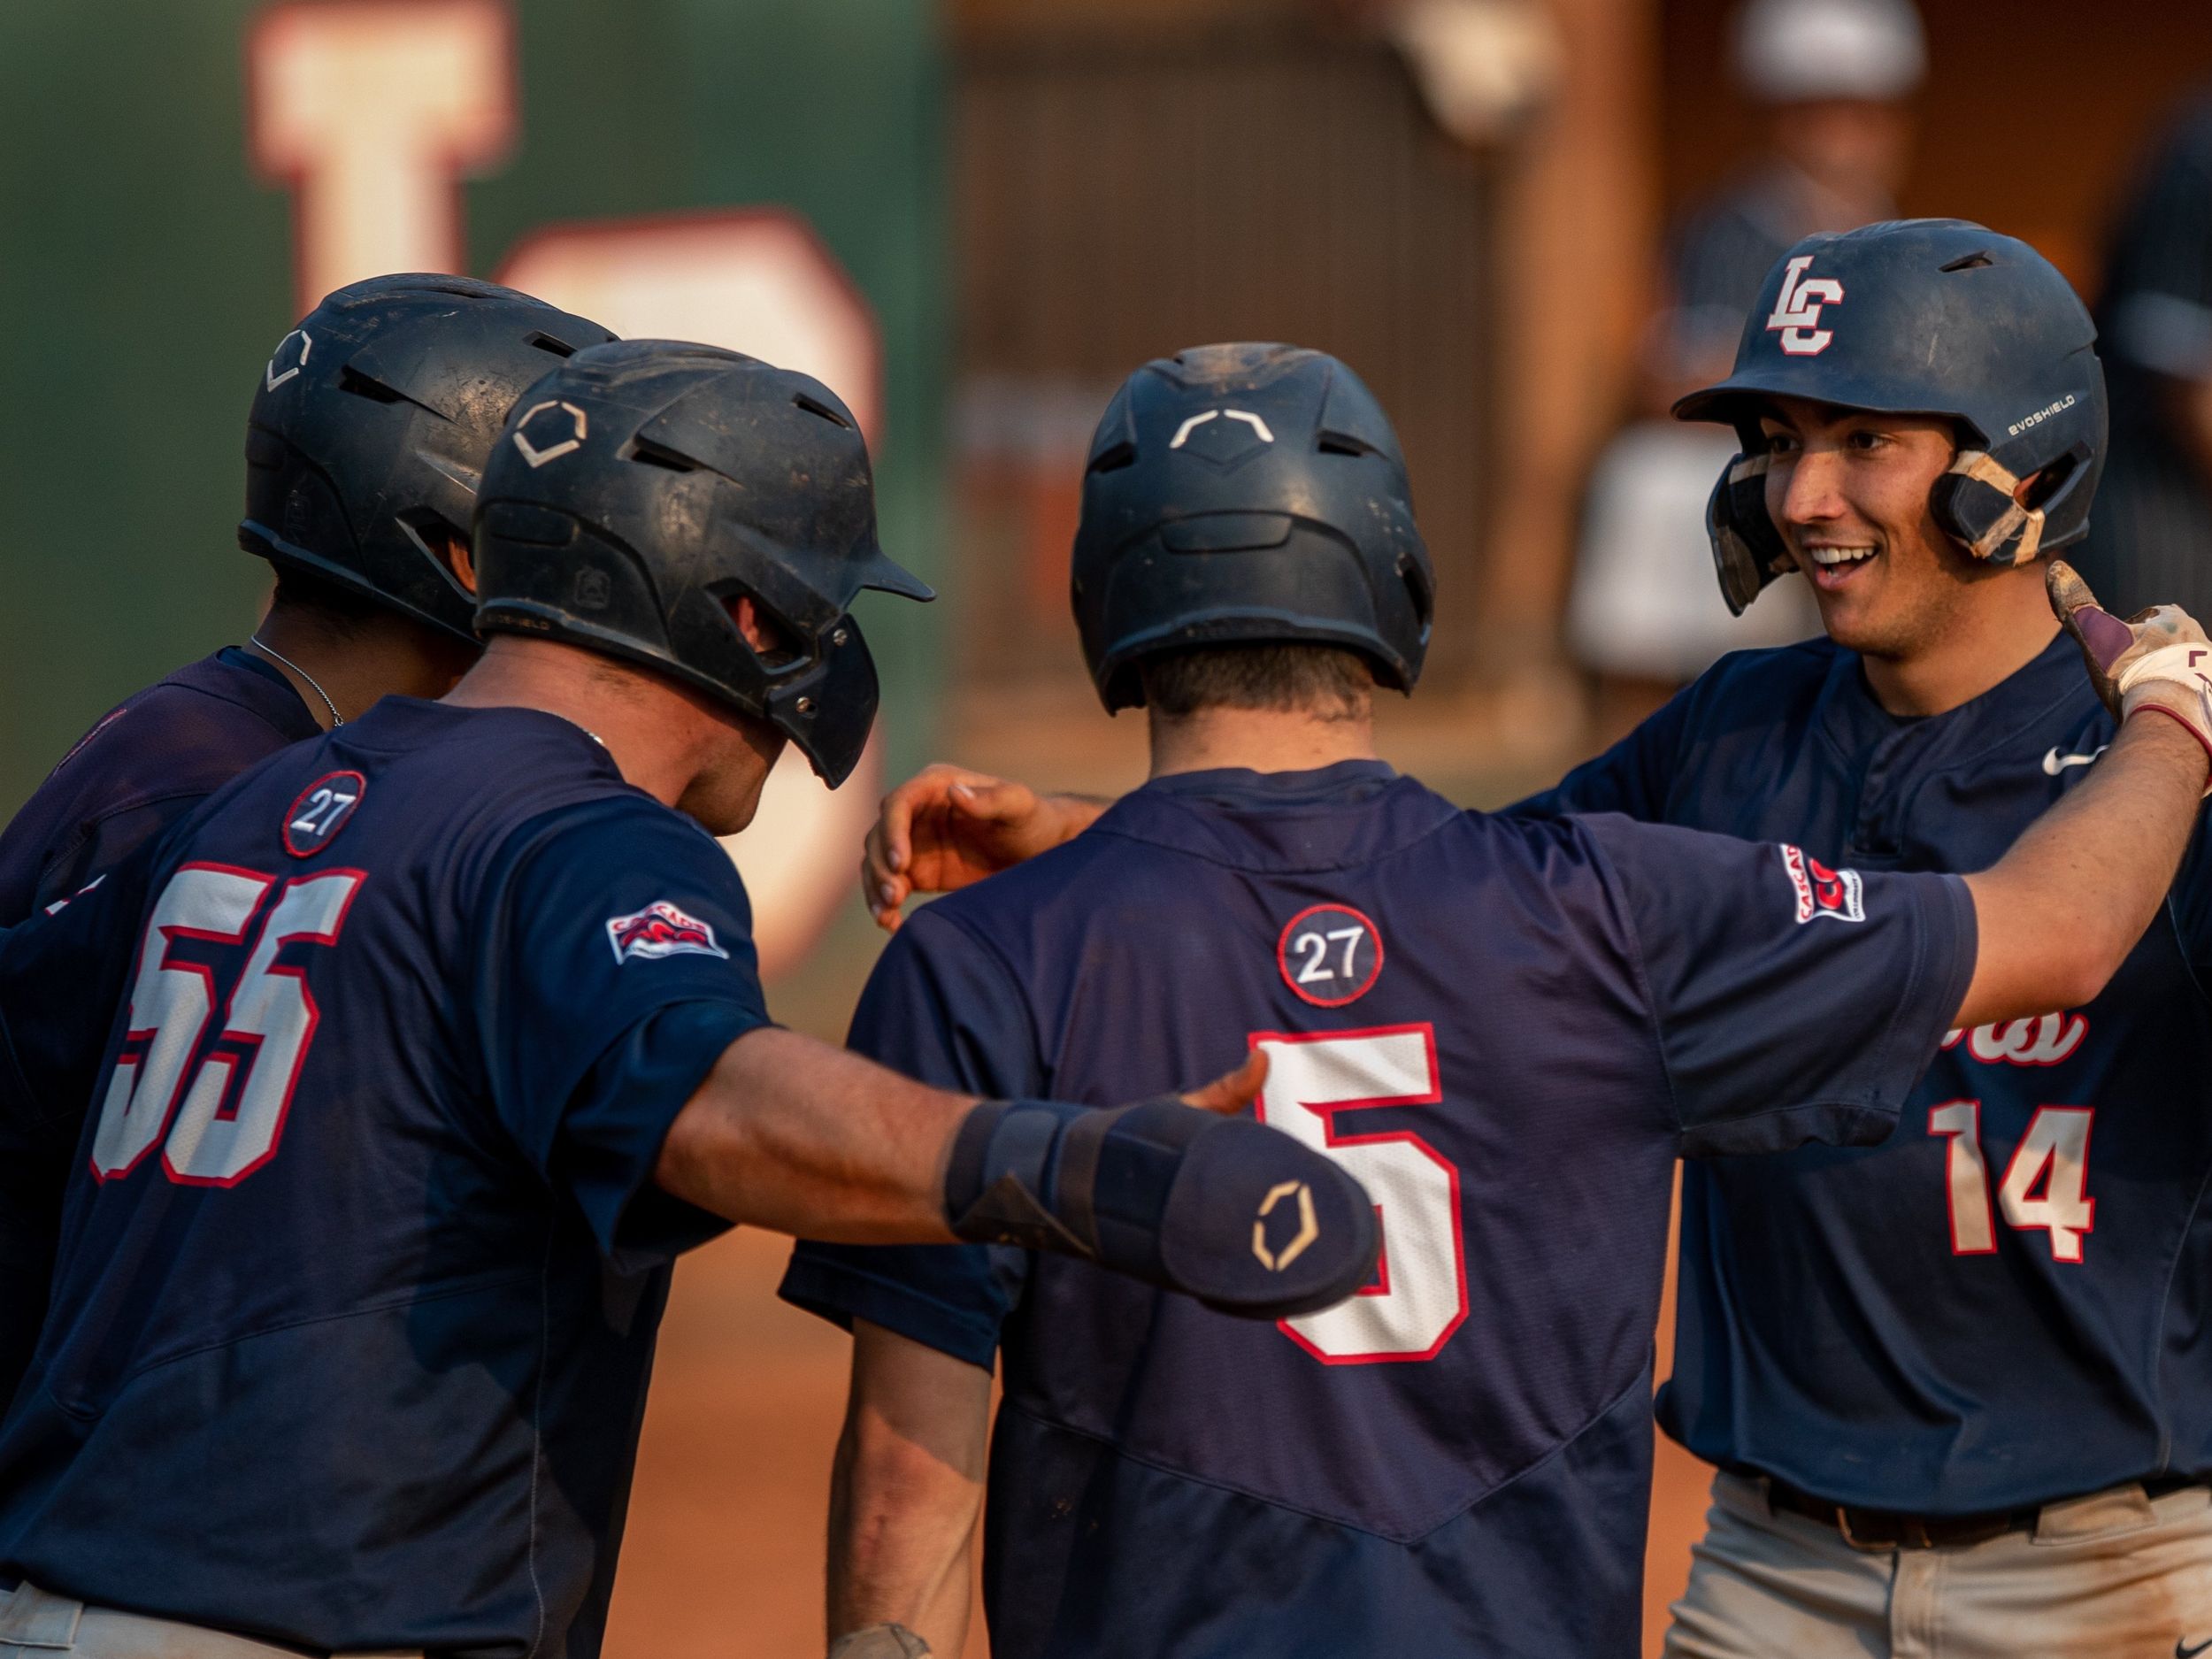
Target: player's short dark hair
<point x="1326" y="679"/>
<point x="340" y="611"/>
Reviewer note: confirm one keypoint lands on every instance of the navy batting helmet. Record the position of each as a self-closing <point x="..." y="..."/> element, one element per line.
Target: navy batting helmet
<point x="1241" y="493"/>
<point x="1925" y="317"/>
<point x="372" y="424"/>
<point x="640" y="489"/>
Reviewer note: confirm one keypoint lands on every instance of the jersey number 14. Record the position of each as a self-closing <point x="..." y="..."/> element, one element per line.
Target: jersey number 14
<point x="228" y="1100"/>
<point x="2046" y="1184"/>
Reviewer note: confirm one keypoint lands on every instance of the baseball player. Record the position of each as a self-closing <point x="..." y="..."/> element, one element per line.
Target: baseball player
<point x="408" y="1061"/>
<point x="1510" y="1028"/>
<point x="370" y="424"/>
<point x="1948" y="1380"/>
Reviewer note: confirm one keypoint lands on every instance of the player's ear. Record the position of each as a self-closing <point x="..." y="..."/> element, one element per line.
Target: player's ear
<point x="460" y="558"/>
<point x="758" y="629"/>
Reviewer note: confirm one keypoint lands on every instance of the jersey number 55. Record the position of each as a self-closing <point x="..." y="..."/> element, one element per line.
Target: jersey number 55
<point x="229" y="1098"/>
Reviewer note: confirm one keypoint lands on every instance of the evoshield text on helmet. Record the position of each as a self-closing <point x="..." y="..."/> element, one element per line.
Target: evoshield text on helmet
<point x="372" y="425"/>
<point x="1241" y="493"/>
<point x="1923" y="316"/>
<point x="640" y="489"/>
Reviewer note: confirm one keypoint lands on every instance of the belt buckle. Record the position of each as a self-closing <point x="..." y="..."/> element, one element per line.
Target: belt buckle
<point x="1868" y="1546"/>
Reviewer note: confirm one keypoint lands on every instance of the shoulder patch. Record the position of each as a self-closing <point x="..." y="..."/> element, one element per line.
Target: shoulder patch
<point x="661" y="930"/>
<point x="1822" y="891"/>
<point x="1329" y="955"/>
<point x="321" y="810"/>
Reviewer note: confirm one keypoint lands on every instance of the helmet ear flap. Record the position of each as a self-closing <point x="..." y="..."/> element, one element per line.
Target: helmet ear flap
<point x="1974" y="504"/>
<point x="1747" y="551"/>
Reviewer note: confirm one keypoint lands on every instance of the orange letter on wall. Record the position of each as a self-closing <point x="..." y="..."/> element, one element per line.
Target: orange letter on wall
<point x="373" y="111"/>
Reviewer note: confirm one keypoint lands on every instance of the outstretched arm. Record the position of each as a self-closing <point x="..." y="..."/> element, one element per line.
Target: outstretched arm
<point x="795" y="1135"/>
<point x="2059" y="913"/>
<point x="948" y="827"/>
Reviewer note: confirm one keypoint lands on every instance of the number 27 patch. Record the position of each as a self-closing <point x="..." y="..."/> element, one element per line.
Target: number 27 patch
<point x="1330" y="955"/>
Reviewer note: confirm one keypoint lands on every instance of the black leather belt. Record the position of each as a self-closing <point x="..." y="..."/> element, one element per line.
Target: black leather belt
<point x="1891" y="1529"/>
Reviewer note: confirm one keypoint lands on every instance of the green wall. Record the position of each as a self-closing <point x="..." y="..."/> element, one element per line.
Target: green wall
<point x="144" y="273"/>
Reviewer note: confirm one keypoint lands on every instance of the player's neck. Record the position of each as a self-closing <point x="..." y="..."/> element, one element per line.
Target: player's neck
<point x="2005" y="631"/>
<point x="1261" y="739"/>
<point x="656" y="732"/>
<point x="342" y="671"/>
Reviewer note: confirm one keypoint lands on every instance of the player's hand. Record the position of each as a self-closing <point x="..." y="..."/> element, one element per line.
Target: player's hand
<point x="1233" y="1091"/>
<point x="948" y="827"/>
<point x="2158" y="658"/>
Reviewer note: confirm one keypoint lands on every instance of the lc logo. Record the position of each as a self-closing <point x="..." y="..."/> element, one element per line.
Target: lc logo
<point x="1796" y="315"/>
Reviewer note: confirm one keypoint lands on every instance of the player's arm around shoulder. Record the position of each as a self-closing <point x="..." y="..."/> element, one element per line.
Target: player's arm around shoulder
<point x="948" y="827"/>
<point x="2060" y="912"/>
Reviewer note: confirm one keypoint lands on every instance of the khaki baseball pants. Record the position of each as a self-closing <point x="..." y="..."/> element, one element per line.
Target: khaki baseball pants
<point x="35" y="1624"/>
<point x="2114" y="1575"/>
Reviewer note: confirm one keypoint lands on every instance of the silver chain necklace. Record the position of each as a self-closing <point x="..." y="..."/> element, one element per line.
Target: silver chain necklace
<point x="336" y="719"/>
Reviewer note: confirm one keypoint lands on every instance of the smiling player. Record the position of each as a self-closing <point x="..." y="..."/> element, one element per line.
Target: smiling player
<point x="1511" y="1027"/>
<point x="1949" y="1380"/>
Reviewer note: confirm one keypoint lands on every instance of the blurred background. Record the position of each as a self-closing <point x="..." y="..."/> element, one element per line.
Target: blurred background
<point x="1528" y="224"/>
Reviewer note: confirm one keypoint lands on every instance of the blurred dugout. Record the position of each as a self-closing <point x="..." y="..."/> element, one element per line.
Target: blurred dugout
<point x="2152" y="540"/>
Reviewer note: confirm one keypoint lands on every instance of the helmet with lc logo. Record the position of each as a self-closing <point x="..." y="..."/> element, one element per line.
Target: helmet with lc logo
<point x="1924" y="316"/>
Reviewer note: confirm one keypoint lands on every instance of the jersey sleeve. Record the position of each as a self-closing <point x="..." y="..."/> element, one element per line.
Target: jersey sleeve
<point x="2189" y="902"/>
<point x="105" y="844"/>
<point x="942" y="1007"/>
<point x="615" y="964"/>
<point x="1634" y="777"/>
<point x="1791" y="1001"/>
<point x="62" y="984"/>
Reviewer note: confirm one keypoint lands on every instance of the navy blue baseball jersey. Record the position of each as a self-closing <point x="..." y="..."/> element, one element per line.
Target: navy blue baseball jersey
<point x="361" y="1260"/>
<point x="2006" y="1302"/>
<point x="143" y="765"/>
<point x="1508" y="1030"/>
<point x="146" y="763"/>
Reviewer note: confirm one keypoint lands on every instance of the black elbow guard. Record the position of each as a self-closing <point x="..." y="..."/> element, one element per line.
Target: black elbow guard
<point x="1225" y="1210"/>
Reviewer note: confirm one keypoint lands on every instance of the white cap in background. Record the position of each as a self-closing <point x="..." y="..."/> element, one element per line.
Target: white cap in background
<point x="1794" y="51"/>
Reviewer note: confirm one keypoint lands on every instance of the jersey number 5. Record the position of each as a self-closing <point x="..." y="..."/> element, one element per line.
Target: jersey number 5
<point x="1420" y="1297"/>
<point x="230" y="1107"/>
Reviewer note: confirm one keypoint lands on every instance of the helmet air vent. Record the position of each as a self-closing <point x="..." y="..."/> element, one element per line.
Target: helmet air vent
<point x="815" y="406"/>
<point x="352" y="380"/>
<point x="1977" y="261"/>
<point x="652" y="454"/>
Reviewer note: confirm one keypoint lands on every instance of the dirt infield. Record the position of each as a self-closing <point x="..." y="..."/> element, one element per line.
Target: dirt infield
<point x="724" y="1556"/>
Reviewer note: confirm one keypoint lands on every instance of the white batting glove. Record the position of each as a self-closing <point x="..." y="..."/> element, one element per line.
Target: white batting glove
<point x="2158" y="658"/>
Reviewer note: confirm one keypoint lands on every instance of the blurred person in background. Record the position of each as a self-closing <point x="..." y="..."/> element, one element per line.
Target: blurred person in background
<point x="2154" y="513"/>
<point x="1832" y="78"/>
